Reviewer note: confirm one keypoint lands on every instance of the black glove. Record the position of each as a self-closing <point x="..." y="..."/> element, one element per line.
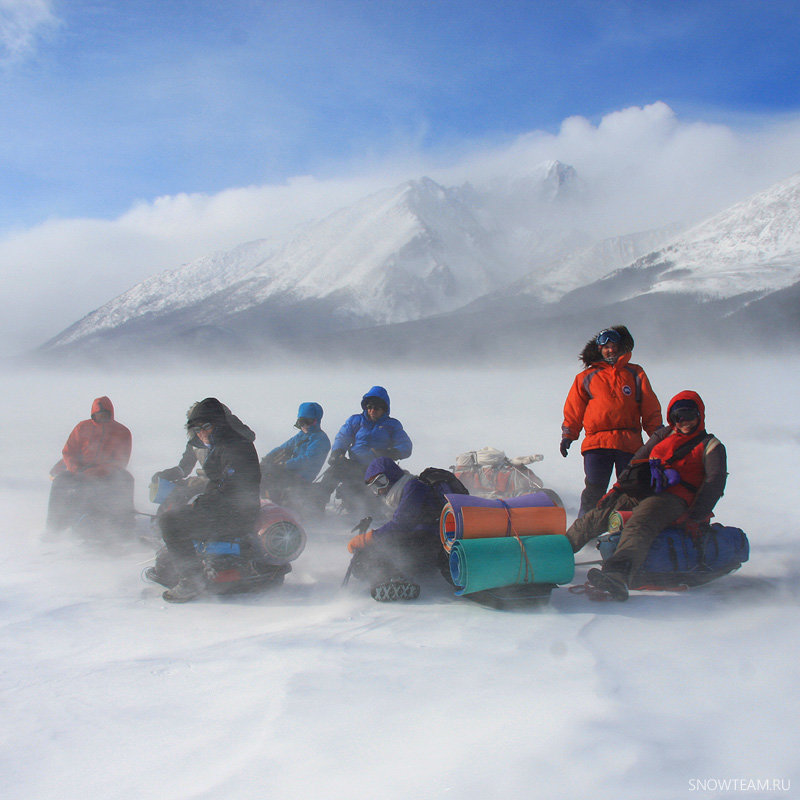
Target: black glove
<point x="564" y="446"/>
<point x="335" y="457"/>
<point x="172" y="474"/>
<point x="610" y="497"/>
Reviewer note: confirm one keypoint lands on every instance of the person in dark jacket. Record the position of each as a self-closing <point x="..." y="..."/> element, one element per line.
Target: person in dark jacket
<point x="227" y="508"/>
<point x="91" y="479"/>
<point x="686" y="493"/>
<point x="188" y="481"/>
<point x="390" y="557"/>
<point x="371" y="434"/>
<point x="611" y="401"/>
<point x="288" y="470"/>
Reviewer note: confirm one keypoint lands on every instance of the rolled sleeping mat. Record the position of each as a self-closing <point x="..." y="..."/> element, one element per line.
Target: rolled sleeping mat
<point x="478" y="564"/>
<point x="281" y="536"/>
<point x="468" y="517"/>
<point x="617" y="520"/>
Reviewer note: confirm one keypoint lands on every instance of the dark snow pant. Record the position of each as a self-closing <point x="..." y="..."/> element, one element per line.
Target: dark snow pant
<point x="107" y="499"/>
<point x="182" y="527"/>
<point x="383" y="560"/>
<point x="347" y="478"/>
<point x="597" y="466"/>
<point x="650" y="516"/>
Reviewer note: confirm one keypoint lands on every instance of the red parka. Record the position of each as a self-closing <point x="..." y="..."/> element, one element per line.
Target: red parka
<point x="98" y="448"/>
<point x="611" y="403"/>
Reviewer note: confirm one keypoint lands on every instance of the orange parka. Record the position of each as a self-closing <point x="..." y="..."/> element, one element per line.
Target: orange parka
<point x="98" y="448"/>
<point x="611" y="403"/>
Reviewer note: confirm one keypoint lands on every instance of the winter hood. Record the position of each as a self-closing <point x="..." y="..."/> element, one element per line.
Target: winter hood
<point x="378" y="392"/>
<point x="591" y="352"/>
<point x="386" y="467"/>
<point x="687" y="398"/>
<point x="310" y="411"/>
<point x="213" y="411"/>
<point x="102" y="404"/>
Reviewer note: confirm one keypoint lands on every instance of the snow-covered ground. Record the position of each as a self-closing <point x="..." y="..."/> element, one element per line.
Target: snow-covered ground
<point x="314" y="691"/>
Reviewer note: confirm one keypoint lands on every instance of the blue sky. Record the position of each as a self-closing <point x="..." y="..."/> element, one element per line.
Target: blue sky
<point x="137" y="135"/>
<point x="109" y="102"/>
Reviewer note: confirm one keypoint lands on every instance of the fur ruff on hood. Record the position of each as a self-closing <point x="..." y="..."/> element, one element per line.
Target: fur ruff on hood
<point x="591" y="352"/>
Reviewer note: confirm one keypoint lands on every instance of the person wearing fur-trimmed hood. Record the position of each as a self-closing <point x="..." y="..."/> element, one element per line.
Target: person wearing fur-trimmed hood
<point x="611" y="401"/>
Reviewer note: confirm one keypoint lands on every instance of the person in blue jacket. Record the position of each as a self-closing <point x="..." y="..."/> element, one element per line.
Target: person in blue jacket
<point x="391" y="556"/>
<point x="364" y="437"/>
<point x="288" y="470"/>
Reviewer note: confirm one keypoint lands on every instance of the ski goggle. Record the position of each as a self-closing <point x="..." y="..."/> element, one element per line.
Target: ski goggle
<point x="608" y="335"/>
<point x="378" y="483"/>
<point x="684" y="415"/>
<point x="304" y="421"/>
<point x="193" y="427"/>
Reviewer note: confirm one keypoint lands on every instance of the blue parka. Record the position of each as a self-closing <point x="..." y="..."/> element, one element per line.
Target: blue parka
<point x="366" y="440"/>
<point x="306" y="451"/>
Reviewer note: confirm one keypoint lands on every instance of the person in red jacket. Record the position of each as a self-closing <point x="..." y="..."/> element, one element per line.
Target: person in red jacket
<point x="691" y="467"/>
<point x="91" y="477"/>
<point x="611" y="400"/>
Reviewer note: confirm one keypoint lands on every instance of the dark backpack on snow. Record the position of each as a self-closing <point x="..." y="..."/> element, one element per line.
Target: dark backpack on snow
<point x="443" y="481"/>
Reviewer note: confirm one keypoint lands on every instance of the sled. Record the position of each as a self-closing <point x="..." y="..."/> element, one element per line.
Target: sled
<point x="676" y="559"/>
<point x="244" y="565"/>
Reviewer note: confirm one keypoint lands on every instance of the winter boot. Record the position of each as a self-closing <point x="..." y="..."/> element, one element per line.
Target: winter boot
<point x="396" y="589"/>
<point x="185" y="590"/>
<point x="609" y="582"/>
<point x="150" y="574"/>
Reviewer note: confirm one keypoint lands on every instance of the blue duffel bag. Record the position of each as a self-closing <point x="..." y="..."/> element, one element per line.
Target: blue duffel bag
<point x="675" y="558"/>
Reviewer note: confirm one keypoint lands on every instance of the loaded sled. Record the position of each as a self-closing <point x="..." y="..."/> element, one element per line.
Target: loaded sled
<point x="677" y="559"/>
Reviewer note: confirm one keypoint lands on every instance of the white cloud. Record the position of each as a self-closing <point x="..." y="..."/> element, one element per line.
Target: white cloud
<point x="22" y="22"/>
<point x="644" y="167"/>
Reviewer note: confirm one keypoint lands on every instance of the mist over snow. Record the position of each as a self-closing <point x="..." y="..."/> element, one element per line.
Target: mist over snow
<point x="318" y="691"/>
<point x="640" y="169"/>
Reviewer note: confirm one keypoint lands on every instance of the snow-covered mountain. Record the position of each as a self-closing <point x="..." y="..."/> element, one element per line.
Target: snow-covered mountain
<point x="405" y="253"/>
<point x="749" y="250"/>
<point x="421" y="252"/>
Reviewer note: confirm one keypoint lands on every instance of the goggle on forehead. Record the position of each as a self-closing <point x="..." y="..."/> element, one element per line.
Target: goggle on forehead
<point x="608" y="335"/>
<point x="379" y="482"/>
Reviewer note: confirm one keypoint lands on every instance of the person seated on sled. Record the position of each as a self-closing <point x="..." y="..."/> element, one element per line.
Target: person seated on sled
<point x="611" y="400"/>
<point x="392" y="556"/>
<point x="186" y="484"/>
<point x="689" y="471"/>
<point x="288" y="470"/>
<point x="228" y="507"/>
<point x="364" y="437"/>
<point x="91" y="478"/>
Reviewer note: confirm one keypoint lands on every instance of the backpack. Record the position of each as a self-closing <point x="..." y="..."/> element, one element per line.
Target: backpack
<point x="443" y="481"/>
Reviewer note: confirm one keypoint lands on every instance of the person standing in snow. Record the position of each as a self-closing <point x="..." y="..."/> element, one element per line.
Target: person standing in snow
<point x="364" y="437"/>
<point x="91" y="478"/>
<point x="390" y="557"/>
<point x="691" y="469"/>
<point x="288" y="470"/>
<point x="227" y="508"/>
<point x="611" y="400"/>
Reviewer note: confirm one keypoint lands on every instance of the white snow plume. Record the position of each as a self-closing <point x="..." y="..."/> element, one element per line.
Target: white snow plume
<point x="315" y="691"/>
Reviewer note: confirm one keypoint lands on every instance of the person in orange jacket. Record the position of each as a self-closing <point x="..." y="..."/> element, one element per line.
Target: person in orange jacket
<point x="611" y="400"/>
<point x="691" y="466"/>
<point x="91" y="477"/>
